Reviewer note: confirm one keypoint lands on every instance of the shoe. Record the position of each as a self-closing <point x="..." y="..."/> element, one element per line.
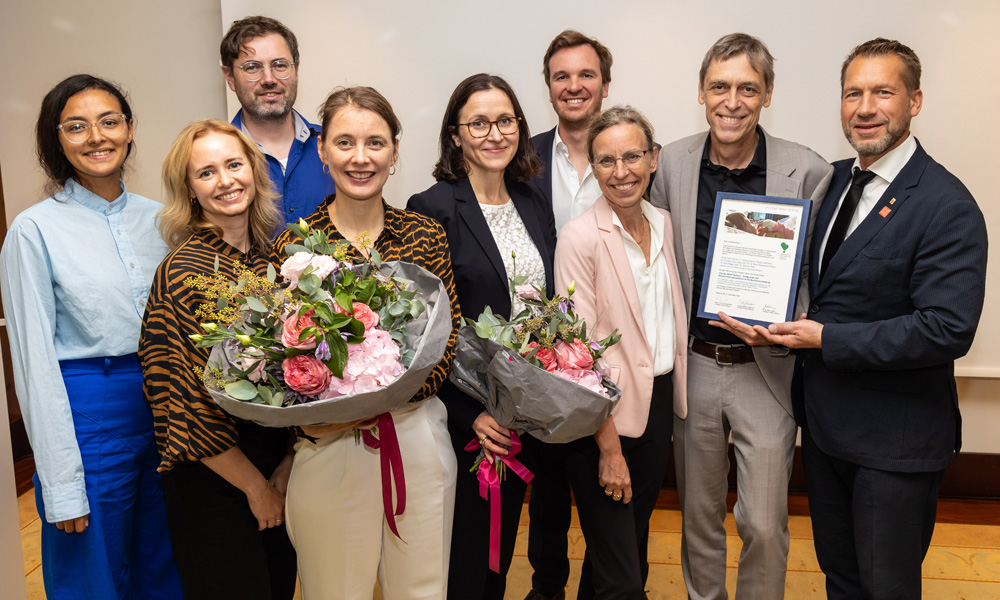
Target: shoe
<point x="536" y="595"/>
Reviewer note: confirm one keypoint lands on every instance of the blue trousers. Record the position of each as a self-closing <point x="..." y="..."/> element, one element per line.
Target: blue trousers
<point x="125" y="551"/>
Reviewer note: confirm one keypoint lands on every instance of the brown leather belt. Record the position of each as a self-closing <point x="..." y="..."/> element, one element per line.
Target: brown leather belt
<point x="725" y="355"/>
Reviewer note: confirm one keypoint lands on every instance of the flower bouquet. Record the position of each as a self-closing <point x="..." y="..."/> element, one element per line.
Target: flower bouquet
<point x="341" y="342"/>
<point x="538" y="373"/>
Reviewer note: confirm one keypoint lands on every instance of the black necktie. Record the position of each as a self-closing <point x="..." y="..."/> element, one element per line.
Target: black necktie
<point x="839" y="230"/>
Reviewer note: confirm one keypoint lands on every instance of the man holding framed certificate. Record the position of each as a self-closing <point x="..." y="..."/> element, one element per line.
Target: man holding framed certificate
<point x="733" y="388"/>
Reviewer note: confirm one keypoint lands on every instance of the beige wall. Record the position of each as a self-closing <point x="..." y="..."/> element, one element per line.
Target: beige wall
<point x="164" y="54"/>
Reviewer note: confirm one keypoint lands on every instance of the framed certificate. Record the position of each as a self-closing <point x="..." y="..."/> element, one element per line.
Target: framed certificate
<point x="754" y="258"/>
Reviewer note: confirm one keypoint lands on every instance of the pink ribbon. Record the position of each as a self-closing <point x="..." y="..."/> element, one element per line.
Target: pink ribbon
<point x="392" y="468"/>
<point x="489" y="489"/>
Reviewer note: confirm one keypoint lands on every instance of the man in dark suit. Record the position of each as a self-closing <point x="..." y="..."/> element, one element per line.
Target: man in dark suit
<point x="901" y="251"/>
<point x="577" y="72"/>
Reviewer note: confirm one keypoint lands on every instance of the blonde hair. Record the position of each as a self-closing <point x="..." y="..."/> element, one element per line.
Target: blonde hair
<point x="180" y="217"/>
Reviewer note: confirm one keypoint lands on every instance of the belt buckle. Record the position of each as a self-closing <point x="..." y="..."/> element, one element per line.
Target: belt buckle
<point x="718" y="361"/>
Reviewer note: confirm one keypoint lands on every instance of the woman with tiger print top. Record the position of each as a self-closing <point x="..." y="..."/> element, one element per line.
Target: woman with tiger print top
<point x="223" y="478"/>
<point x="334" y="500"/>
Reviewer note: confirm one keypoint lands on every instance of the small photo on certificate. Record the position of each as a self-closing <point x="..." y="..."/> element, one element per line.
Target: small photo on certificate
<point x="754" y="258"/>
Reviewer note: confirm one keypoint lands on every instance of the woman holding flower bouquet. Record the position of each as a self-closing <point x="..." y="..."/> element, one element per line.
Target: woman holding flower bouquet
<point x="335" y="498"/>
<point x="76" y="269"/>
<point x="620" y="255"/>
<point x="224" y="479"/>
<point x="498" y="226"/>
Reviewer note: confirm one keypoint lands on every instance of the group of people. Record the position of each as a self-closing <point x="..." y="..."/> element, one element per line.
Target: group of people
<point x="148" y="489"/>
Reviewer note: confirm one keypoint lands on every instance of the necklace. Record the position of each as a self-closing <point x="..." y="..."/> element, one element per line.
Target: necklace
<point x="642" y="231"/>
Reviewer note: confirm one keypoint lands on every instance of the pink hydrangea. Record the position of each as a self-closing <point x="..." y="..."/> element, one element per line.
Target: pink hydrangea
<point x="371" y="365"/>
<point x="588" y="378"/>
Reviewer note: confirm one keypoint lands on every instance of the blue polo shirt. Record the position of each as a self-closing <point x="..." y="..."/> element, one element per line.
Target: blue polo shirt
<point x="301" y="184"/>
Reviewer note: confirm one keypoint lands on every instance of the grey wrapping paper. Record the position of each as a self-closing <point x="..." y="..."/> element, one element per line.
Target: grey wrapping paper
<point x="427" y="334"/>
<point x="523" y="397"/>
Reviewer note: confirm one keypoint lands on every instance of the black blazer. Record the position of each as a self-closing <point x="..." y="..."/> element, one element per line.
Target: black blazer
<point x="543" y="148"/>
<point x="480" y="277"/>
<point x="900" y="302"/>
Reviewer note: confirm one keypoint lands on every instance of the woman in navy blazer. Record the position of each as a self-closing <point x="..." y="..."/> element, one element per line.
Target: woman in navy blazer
<point x="496" y="224"/>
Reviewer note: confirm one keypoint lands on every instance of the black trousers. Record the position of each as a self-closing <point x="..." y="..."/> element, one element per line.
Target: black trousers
<point x="219" y="552"/>
<point x="617" y="534"/>
<point x="550" y="509"/>
<point x="871" y="528"/>
<point x="469" y="574"/>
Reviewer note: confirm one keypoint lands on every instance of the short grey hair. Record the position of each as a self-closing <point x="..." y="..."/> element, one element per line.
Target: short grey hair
<point x="618" y="115"/>
<point x="735" y="44"/>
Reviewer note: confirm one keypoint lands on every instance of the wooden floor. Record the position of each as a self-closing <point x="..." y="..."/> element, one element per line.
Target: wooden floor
<point x="963" y="562"/>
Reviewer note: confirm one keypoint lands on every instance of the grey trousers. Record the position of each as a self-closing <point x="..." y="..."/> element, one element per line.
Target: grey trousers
<point x="722" y="401"/>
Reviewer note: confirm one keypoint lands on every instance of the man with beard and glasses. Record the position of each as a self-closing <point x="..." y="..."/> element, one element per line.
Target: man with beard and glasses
<point x="260" y="59"/>
<point x="901" y="249"/>
<point x="577" y="72"/>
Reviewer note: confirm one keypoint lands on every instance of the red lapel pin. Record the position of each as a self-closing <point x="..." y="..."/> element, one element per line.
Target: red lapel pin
<point x="885" y="211"/>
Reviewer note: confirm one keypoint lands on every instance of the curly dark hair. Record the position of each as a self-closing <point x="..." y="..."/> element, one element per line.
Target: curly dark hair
<point x="451" y="162"/>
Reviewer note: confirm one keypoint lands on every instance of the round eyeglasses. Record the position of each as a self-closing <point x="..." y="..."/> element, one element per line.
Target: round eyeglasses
<point x="480" y="128"/>
<point x="607" y="163"/>
<point x="253" y="70"/>
<point x="77" y="131"/>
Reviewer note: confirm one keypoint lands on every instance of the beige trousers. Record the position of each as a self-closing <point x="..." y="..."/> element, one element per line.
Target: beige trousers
<point x="336" y="522"/>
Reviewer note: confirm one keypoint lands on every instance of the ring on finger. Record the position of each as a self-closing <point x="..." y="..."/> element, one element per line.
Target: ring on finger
<point x="616" y="497"/>
<point x="607" y="491"/>
<point x="482" y="441"/>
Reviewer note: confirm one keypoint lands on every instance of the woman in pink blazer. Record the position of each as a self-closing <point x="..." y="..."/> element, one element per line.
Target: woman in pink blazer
<point x="620" y="255"/>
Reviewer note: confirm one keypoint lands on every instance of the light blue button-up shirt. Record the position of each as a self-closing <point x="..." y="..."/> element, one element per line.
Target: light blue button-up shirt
<point x="75" y="272"/>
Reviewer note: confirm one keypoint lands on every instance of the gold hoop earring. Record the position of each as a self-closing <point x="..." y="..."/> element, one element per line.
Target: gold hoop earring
<point x="392" y="170"/>
<point x="326" y="168"/>
<point x="194" y="201"/>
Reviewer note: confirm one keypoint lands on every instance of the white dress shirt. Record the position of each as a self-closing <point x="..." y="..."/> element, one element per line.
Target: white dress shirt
<point x="570" y="196"/>
<point x="885" y="169"/>
<point x="652" y="282"/>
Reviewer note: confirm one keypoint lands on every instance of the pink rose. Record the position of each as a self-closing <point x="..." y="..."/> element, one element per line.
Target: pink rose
<point x="305" y="374"/>
<point x="293" y="267"/>
<point x="573" y="356"/>
<point x="365" y="314"/>
<point x="527" y="291"/>
<point x="293" y="328"/>
<point x="547" y="356"/>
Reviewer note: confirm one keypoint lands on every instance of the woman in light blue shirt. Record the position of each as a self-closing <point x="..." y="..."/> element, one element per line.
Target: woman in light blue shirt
<point x="76" y="271"/>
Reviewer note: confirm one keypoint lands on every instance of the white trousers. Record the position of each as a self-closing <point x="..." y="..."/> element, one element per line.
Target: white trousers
<point x="335" y="518"/>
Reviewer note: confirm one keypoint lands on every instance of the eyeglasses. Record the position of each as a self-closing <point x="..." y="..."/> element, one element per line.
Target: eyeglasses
<point x="607" y="163"/>
<point x="78" y="131"/>
<point x="253" y="70"/>
<point x="481" y="128"/>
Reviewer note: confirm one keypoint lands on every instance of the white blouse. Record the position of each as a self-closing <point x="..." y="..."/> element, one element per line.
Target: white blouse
<point x="517" y="249"/>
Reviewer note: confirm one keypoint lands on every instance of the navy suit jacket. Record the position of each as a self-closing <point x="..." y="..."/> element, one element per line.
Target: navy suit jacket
<point x="900" y="302"/>
<point x="543" y="148"/>
<point x="480" y="277"/>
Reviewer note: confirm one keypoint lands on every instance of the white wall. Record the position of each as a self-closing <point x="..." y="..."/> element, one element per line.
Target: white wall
<point x="415" y="53"/>
<point x="166" y="55"/>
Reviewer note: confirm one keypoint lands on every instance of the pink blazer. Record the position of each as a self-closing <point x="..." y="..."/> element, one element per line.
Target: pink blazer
<point x="591" y="252"/>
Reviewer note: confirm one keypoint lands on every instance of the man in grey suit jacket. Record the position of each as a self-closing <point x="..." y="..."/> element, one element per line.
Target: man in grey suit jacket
<point x="733" y="388"/>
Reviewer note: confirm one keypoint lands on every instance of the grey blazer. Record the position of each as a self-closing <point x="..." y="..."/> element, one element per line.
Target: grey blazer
<point x="793" y="171"/>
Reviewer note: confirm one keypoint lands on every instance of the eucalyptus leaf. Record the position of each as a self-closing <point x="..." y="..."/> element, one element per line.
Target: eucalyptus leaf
<point x="272" y="275"/>
<point x="241" y="390"/>
<point x="256" y="304"/>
